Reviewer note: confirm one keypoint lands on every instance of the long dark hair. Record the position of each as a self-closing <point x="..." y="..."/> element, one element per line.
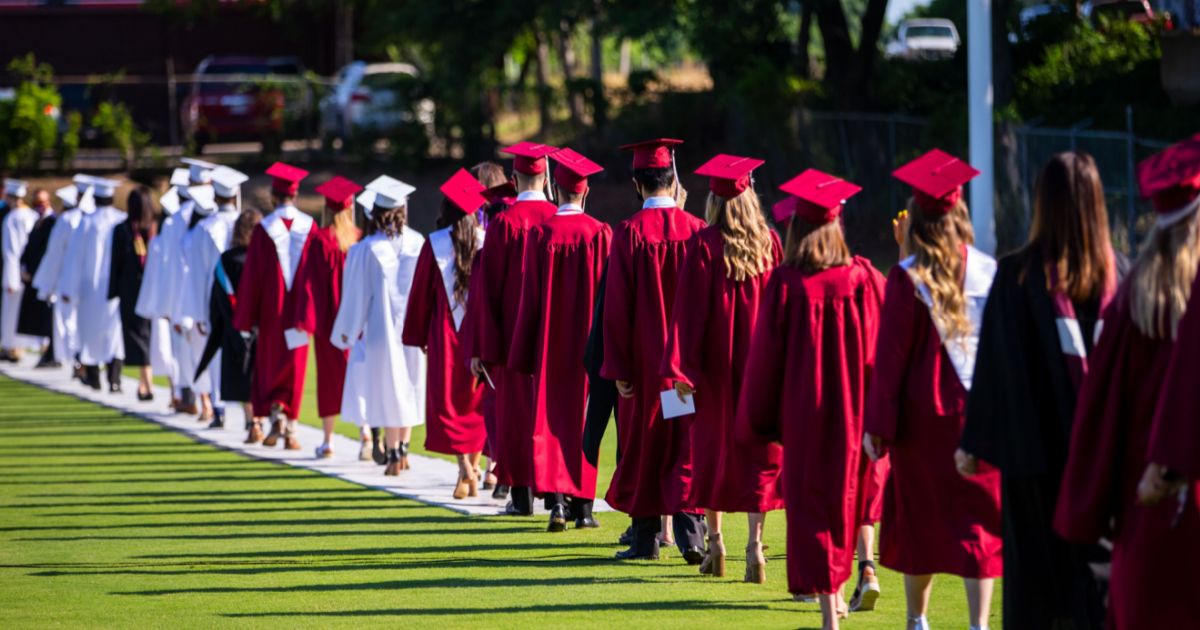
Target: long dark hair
<point x="463" y="237"/>
<point x="139" y="208"/>
<point x="390" y="222"/>
<point x="1070" y="227"/>
<point x="243" y="229"/>
<point x="490" y="174"/>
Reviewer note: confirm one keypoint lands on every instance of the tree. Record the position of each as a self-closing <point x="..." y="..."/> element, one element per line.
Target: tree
<point x="27" y="124"/>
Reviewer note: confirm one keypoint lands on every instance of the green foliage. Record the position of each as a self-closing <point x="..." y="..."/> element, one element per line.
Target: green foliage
<point x="116" y="126"/>
<point x="27" y="123"/>
<point x="68" y="142"/>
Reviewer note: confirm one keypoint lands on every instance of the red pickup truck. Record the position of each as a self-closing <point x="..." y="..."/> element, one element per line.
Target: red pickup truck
<point x="231" y="97"/>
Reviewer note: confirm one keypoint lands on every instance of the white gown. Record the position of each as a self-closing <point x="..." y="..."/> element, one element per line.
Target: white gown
<point x="385" y="381"/>
<point x="14" y="234"/>
<point x="46" y="281"/>
<point x="159" y="284"/>
<point x="85" y="282"/>
<point x="201" y="249"/>
<point x="162" y="362"/>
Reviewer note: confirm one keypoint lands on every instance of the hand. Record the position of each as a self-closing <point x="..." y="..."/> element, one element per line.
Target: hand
<point x="900" y="228"/>
<point x="624" y="389"/>
<point x="26" y="277"/>
<point x="477" y="368"/>
<point x="966" y="463"/>
<point x="682" y="390"/>
<point x="10" y="291"/>
<point x="873" y="445"/>
<point x="178" y="329"/>
<point x="1154" y="486"/>
<point x="345" y="339"/>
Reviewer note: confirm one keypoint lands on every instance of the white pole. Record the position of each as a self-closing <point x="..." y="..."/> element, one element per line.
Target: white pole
<point x="979" y="99"/>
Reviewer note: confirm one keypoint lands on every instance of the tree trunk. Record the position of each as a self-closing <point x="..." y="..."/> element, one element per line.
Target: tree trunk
<point x="543" y="86"/>
<point x="623" y="66"/>
<point x="803" y="60"/>
<point x="1002" y="77"/>
<point x="566" y="55"/>
<point x="847" y="70"/>
<point x="599" y="101"/>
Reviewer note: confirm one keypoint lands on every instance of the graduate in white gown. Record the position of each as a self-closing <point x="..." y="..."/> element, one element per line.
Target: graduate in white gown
<point x="202" y="249"/>
<point x="14" y="233"/>
<point x="84" y="283"/>
<point x="162" y="360"/>
<point x="385" y="381"/>
<point x="78" y="201"/>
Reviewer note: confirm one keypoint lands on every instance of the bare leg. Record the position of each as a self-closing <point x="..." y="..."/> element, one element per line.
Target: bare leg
<point x="830" y="607"/>
<point x="392" y="436"/>
<point x="145" y="379"/>
<point x="327" y="424"/>
<point x="979" y="600"/>
<point x="712" y="518"/>
<point x="206" y="408"/>
<point x="666" y="536"/>
<point x="758" y="521"/>
<point x="474" y="459"/>
<point x="248" y="411"/>
<point x="866" y="543"/>
<point x="916" y="593"/>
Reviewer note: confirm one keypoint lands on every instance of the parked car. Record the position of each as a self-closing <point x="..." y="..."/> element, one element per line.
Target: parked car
<point x="228" y="99"/>
<point x="1131" y="10"/>
<point x="374" y="96"/>
<point x="933" y="38"/>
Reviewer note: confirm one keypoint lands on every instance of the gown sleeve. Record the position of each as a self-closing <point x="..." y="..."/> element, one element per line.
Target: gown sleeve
<point x="762" y="387"/>
<point x="683" y="358"/>
<point x="529" y="315"/>
<point x="893" y="353"/>
<point x="422" y="301"/>
<point x="68" y="282"/>
<point x="495" y="255"/>
<point x="117" y="259"/>
<point x="10" y="250"/>
<point x="250" y="286"/>
<point x="619" y="307"/>
<point x="356" y="299"/>
<point x="46" y="278"/>
<point x="313" y="281"/>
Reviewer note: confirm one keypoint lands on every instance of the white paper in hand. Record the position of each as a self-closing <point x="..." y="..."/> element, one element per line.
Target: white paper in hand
<point x="671" y="406"/>
<point x="295" y="338"/>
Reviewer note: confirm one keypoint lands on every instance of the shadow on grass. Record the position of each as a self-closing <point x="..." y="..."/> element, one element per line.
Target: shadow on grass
<point x="643" y="607"/>
<point x="391" y="585"/>
<point x="299" y="534"/>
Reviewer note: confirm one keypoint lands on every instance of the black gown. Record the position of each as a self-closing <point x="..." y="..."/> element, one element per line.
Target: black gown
<point x="36" y="318"/>
<point x="1019" y="417"/>
<point x="602" y="393"/>
<point x="125" y="282"/>
<point x="237" y="350"/>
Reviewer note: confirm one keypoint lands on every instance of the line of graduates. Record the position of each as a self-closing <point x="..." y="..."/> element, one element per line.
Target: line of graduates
<point x="1033" y="418"/>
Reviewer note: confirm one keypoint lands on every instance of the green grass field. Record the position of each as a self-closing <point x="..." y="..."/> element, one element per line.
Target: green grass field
<point x="109" y="521"/>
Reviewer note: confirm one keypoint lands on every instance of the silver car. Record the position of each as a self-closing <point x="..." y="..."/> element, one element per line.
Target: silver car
<point x="370" y="96"/>
<point x="933" y="38"/>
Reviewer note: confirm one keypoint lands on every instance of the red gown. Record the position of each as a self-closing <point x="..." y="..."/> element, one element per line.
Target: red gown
<point x="503" y="263"/>
<point x="805" y="385"/>
<point x="317" y="307"/>
<point x="653" y="476"/>
<point x="471" y="345"/>
<point x="1113" y="421"/>
<point x="934" y="520"/>
<point x="563" y="261"/>
<point x="454" y="424"/>
<point x="1176" y="425"/>
<point x="265" y="302"/>
<point x="708" y="341"/>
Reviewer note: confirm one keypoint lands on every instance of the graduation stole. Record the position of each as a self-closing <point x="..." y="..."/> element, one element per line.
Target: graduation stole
<point x="223" y="280"/>
<point x="1070" y="335"/>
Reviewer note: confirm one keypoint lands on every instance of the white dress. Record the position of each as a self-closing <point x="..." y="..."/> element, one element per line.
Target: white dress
<point x="14" y="234"/>
<point x="46" y="281"/>
<point x="385" y="381"/>
<point x="85" y="282"/>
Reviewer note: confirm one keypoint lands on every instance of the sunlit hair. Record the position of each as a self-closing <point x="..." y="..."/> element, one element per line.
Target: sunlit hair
<point x="464" y="241"/>
<point x="936" y="241"/>
<point x="390" y="222"/>
<point x="243" y="228"/>
<point x="1162" y="277"/>
<point x="814" y="248"/>
<point x="1070" y="227"/>
<point x="344" y="229"/>
<point x="489" y="174"/>
<point x="745" y="232"/>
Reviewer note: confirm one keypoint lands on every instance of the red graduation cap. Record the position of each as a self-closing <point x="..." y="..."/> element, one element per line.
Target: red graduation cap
<point x="818" y="196"/>
<point x="339" y="193"/>
<point x="529" y="157"/>
<point x="652" y="153"/>
<point x="464" y="191"/>
<point x="937" y="178"/>
<point x="506" y="192"/>
<point x="1171" y="177"/>
<point x="729" y="175"/>
<point x="573" y="170"/>
<point x="287" y="178"/>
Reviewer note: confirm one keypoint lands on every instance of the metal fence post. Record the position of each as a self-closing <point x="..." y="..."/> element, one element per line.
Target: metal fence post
<point x="892" y="158"/>
<point x="1131" y="185"/>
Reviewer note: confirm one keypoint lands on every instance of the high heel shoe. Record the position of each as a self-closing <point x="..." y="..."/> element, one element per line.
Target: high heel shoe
<point x="462" y="488"/>
<point x="756" y="564"/>
<point x="714" y="560"/>
<point x="393" y="464"/>
<point x="402" y="464"/>
<point x="473" y="485"/>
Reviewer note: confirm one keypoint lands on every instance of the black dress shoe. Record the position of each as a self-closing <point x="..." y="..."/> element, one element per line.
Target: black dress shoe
<point x="694" y="556"/>
<point x="510" y="510"/>
<point x="558" y="519"/>
<point x="500" y="493"/>
<point x="633" y="554"/>
<point x="48" y="362"/>
<point x="148" y="396"/>
<point x="627" y="537"/>
<point x="217" y="423"/>
<point x="377" y="451"/>
<point x="114" y="388"/>
<point x="587" y="523"/>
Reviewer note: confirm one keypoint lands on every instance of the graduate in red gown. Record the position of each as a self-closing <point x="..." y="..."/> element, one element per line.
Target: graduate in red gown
<point x="267" y="296"/>
<point x="728" y="264"/>
<point x="320" y="281"/>
<point x="805" y="382"/>
<point x="502" y="266"/>
<point x="653" y="476"/>
<point x="1115" y="414"/>
<point x="437" y="308"/>
<point x="934" y="521"/>
<point x="563" y="259"/>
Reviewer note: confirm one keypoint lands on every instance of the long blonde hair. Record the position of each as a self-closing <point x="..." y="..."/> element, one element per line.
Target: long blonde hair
<point x="1162" y="277"/>
<point x="745" y="232"/>
<point x="343" y="227"/>
<point x="936" y="241"/>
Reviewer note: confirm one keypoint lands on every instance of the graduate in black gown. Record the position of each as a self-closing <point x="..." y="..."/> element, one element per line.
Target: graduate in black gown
<point x="237" y="349"/>
<point x="1021" y="407"/>
<point x="36" y="318"/>
<point x="130" y="244"/>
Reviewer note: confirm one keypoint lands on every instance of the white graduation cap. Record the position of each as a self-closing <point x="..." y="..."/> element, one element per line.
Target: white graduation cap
<point x="15" y="187"/>
<point x="179" y="177"/>
<point x="87" y="203"/>
<point x="69" y="195"/>
<point x="102" y="187"/>
<point x="82" y="181"/>
<point x="228" y="182"/>
<point x="385" y="192"/>
<point x="199" y="171"/>
<point x="170" y="202"/>
<point x="205" y="198"/>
